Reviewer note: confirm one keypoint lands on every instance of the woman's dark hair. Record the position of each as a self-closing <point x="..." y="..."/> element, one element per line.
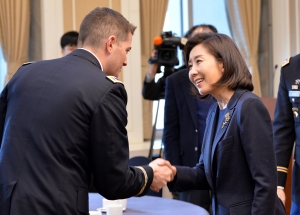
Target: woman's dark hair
<point x="236" y="73"/>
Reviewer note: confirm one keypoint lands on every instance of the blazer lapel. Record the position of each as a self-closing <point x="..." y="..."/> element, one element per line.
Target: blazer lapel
<point x="226" y="122"/>
<point x="220" y="131"/>
<point x="207" y="147"/>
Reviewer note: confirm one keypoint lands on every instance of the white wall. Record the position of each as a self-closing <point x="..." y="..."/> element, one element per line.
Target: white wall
<point x="130" y="9"/>
<point x="52" y="28"/>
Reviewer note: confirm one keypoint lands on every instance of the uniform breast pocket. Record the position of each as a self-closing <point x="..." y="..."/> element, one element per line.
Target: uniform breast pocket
<point x="295" y="101"/>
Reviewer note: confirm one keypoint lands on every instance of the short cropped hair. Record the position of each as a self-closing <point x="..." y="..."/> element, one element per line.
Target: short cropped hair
<point x="69" y="38"/>
<point x="236" y="73"/>
<point x="100" y="24"/>
<point x="190" y="32"/>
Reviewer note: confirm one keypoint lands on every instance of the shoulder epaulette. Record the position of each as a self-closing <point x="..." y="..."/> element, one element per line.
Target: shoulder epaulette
<point x="286" y="62"/>
<point x="114" y="79"/>
<point x="27" y="63"/>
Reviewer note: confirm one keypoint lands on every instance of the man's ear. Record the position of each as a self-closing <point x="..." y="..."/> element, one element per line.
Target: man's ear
<point x="110" y="42"/>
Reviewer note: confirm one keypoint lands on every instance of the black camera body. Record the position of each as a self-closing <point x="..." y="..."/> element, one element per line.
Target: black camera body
<point x="166" y="46"/>
<point x="167" y="50"/>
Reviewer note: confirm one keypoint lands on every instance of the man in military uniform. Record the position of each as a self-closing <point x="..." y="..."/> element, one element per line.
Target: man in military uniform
<point x="63" y="119"/>
<point x="287" y="129"/>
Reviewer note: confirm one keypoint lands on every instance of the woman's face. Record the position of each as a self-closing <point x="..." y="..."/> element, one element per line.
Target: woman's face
<point x="204" y="70"/>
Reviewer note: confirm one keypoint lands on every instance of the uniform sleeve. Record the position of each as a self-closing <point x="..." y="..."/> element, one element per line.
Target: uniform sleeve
<point x="171" y="127"/>
<point x="283" y="130"/>
<point x="257" y="142"/>
<point x="113" y="178"/>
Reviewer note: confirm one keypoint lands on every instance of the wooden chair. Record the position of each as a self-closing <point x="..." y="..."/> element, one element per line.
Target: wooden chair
<point x="270" y="104"/>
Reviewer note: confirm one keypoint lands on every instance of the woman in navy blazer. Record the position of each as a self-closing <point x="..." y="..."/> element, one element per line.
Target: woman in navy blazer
<point x="237" y="162"/>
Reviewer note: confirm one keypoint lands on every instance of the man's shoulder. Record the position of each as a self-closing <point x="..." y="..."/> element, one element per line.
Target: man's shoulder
<point x="291" y="61"/>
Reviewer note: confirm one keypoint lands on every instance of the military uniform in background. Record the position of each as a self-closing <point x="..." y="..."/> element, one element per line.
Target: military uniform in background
<point x="287" y="127"/>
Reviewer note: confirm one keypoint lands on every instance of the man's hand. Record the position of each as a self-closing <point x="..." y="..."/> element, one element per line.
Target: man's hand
<point x="163" y="171"/>
<point x="153" y="66"/>
<point x="281" y="195"/>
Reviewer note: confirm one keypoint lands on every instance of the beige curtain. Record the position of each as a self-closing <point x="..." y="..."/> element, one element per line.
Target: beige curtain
<point x="152" y="21"/>
<point x="14" y="33"/>
<point x="244" y="19"/>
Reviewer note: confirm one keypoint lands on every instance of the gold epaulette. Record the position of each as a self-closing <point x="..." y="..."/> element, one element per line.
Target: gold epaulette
<point x="286" y="62"/>
<point x="282" y="169"/>
<point x="27" y="63"/>
<point x="114" y="79"/>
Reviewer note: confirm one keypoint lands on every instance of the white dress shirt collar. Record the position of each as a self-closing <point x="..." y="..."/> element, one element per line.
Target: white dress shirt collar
<point x="95" y="57"/>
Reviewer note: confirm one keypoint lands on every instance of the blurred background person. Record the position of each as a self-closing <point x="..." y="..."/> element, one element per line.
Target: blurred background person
<point x="184" y="123"/>
<point x="68" y="42"/>
<point x="286" y="128"/>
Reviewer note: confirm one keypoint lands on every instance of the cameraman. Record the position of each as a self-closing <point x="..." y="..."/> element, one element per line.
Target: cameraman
<point x="155" y="90"/>
<point x="184" y="120"/>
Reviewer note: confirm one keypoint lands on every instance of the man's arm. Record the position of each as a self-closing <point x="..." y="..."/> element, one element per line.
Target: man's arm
<point x="283" y="132"/>
<point x="152" y="90"/>
<point x="113" y="178"/>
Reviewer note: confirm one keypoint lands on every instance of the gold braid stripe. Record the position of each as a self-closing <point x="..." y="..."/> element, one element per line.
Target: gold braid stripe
<point x="282" y="167"/>
<point x="280" y="170"/>
<point x="146" y="179"/>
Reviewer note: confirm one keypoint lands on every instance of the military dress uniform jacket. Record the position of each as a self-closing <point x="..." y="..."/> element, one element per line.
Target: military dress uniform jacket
<point x="287" y="124"/>
<point x="60" y="121"/>
<point x="237" y="161"/>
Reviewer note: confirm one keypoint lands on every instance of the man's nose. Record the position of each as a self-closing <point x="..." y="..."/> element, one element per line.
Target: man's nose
<point x="125" y="63"/>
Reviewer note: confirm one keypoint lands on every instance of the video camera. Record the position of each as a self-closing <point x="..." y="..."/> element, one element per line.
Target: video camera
<point x="166" y="46"/>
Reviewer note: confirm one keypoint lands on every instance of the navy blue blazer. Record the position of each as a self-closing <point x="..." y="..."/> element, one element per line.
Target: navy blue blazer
<point x="60" y="121"/>
<point x="287" y="124"/>
<point x="237" y="161"/>
<point x="180" y="136"/>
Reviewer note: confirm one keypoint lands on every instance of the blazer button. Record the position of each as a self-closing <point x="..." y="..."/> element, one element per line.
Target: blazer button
<point x="196" y="148"/>
<point x="196" y="130"/>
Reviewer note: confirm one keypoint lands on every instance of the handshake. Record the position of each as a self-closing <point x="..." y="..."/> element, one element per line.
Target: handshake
<point x="163" y="173"/>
